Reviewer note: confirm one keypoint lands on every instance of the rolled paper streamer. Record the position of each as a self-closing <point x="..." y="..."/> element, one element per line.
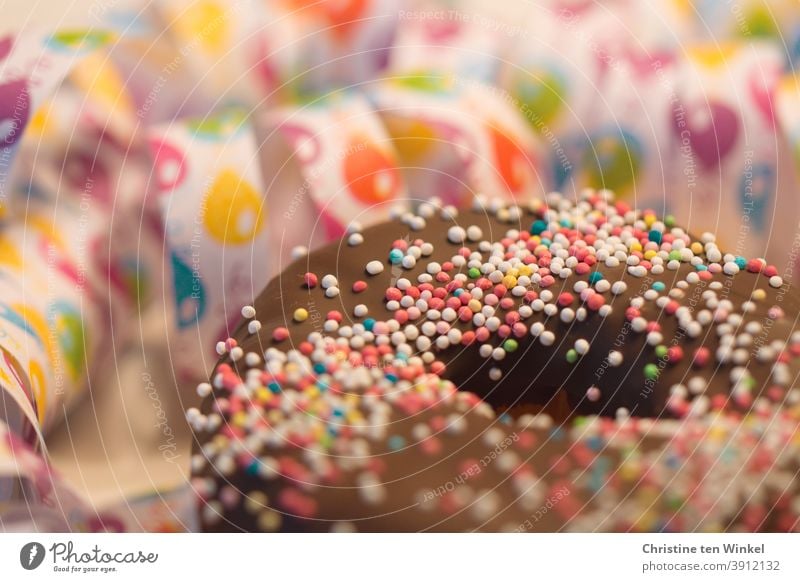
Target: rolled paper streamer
<point x="346" y="159"/>
<point x="214" y="215"/>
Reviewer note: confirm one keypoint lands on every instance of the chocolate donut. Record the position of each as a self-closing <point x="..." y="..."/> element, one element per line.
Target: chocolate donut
<point x="571" y="365"/>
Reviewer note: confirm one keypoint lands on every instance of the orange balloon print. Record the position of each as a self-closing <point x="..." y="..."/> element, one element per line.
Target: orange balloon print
<point x="234" y="212"/>
<point x="513" y="165"/>
<point x="371" y="174"/>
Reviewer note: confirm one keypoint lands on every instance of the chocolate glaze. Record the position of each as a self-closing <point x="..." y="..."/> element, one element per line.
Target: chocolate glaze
<point x="534" y="377"/>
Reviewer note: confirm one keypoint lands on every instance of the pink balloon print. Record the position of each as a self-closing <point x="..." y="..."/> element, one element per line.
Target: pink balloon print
<point x="762" y="85"/>
<point x="305" y="145"/>
<point x="5" y="46"/>
<point x="88" y="175"/>
<point x="170" y="164"/>
<point x="711" y="130"/>
<point x="14" y="110"/>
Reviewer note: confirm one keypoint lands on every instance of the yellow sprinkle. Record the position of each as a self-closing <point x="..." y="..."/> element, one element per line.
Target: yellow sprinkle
<point x="263" y="395"/>
<point x="300" y="314"/>
<point x="636" y="246"/>
<point x="697" y="248"/>
<point x="525" y="270"/>
<point x="759" y="295"/>
<point x="649" y="254"/>
<point x="239" y="418"/>
<point x="649" y="219"/>
<point x="513" y="272"/>
<point x="269" y="520"/>
<point x="256" y="501"/>
<point x="312" y="392"/>
<point x="509" y="281"/>
<point x="474" y="305"/>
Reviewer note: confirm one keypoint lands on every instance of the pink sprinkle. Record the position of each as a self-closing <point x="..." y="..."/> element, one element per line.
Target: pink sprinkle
<point x="491" y="300"/>
<point x="582" y="268"/>
<point x="359" y="286"/>
<point x="310" y="280"/>
<point x="506" y="303"/>
<point x="519" y="329"/>
<point x="504" y="331"/>
<point x="512" y="317"/>
<point x="595" y="301"/>
<point x="754" y="266"/>
<point x="280" y="334"/>
<point x="393" y="294"/>
<point x="547" y="281"/>
<point x="465" y="314"/>
<point x="482" y="334"/>
<point x="400" y="244"/>
<point x="335" y="316"/>
<point x="770" y="271"/>
<point x="674" y="354"/>
<point x="565" y="299"/>
<point x="701" y="356"/>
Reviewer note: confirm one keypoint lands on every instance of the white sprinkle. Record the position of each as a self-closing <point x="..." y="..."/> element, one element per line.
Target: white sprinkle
<point x="355" y="239"/>
<point x="248" y="312"/>
<point x="474" y="233"/>
<point x="299" y="252"/>
<point x="253" y="327"/>
<point x="374" y="267"/>
<point x="581" y="346"/>
<point x="360" y="310"/>
<point x="615" y="359"/>
<point x="456" y="234"/>
<point x="547" y="338"/>
<point x="775" y="281"/>
<point x="329" y="281"/>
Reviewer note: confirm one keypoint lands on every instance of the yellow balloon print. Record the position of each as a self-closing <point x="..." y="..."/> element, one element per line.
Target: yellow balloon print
<point x="205" y="24"/>
<point x="234" y="211"/>
<point x="9" y="255"/>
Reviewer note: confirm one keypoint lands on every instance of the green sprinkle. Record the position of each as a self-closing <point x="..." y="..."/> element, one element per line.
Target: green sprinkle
<point x="510" y="345"/>
<point x="572" y="356"/>
<point x="674" y="255"/>
<point x="669" y="220"/>
<point x="651" y="372"/>
<point x="661" y="351"/>
<point x="474" y="273"/>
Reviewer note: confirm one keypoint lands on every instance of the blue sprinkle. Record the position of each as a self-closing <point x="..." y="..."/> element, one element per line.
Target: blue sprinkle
<point x="319" y="368"/>
<point x="458" y="292"/>
<point x="654" y="236"/>
<point x="595" y="443"/>
<point x="546" y="242"/>
<point x="274" y="387"/>
<point x="396" y="442"/>
<point x="538" y="227"/>
<point x="323" y="386"/>
<point x="701" y="267"/>
<point x="595" y="277"/>
<point x="392" y="378"/>
<point x="741" y="262"/>
<point x="252" y="467"/>
<point x="338" y="412"/>
<point x="659" y="286"/>
<point x="369" y="323"/>
<point x="395" y="256"/>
